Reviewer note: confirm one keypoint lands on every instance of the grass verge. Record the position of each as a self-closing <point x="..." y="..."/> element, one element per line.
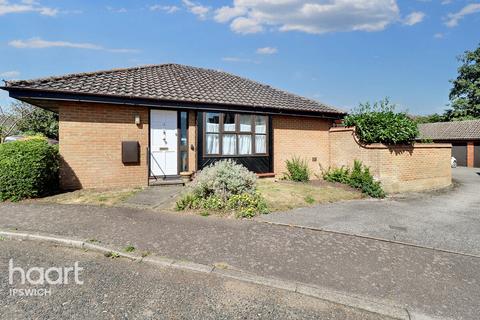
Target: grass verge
<point x="102" y="197"/>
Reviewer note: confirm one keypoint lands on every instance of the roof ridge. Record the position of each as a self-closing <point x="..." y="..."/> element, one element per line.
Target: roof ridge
<point x="78" y="74"/>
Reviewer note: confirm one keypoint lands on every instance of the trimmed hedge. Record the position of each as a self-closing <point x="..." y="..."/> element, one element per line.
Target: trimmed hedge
<point x="28" y="169"/>
<point x="381" y="124"/>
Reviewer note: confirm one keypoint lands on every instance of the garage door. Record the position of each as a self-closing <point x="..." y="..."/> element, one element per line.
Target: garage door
<point x="459" y="151"/>
<point x="476" y="158"/>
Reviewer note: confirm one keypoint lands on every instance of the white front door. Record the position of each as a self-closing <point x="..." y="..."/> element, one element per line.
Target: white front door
<point x="163" y="142"/>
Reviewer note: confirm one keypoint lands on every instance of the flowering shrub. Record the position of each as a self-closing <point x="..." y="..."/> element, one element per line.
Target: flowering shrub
<point x="222" y="186"/>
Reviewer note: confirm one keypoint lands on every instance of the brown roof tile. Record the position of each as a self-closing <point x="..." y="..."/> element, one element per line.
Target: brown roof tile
<point x="174" y="82"/>
<point x="455" y="130"/>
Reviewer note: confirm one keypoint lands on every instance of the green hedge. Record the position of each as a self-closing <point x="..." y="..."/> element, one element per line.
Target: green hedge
<point x="381" y="124"/>
<point x="28" y="169"/>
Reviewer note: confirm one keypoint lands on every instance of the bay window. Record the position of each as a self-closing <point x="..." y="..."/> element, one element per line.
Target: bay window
<point x="233" y="134"/>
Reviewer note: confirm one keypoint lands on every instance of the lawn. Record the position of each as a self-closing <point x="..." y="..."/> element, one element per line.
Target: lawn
<point x="287" y="195"/>
<point x="103" y="197"/>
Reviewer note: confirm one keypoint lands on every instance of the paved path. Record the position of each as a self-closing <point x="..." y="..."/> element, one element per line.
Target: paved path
<point x="422" y="280"/>
<point x="121" y="289"/>
<point x="446" y="220"/>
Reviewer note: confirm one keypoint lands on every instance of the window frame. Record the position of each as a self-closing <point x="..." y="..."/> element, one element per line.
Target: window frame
<point x="237" y="133"/>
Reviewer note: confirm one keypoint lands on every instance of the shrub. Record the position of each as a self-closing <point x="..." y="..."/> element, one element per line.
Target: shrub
<point x="224" y="179"/>
<point x="381" y="124"/>
<point x="247" y="205"/>
<point x="360" y="178"/>
<point x="222" y="186"/>
<point x="297" y="170"/>
<point x="28" y="169"/>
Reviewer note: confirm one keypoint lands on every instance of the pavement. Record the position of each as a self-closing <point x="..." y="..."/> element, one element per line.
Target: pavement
<point x="155" y="197"/>
<point x="447" y="220"/>
<point x="422" y="280"/>
<point x="122" y="289"/>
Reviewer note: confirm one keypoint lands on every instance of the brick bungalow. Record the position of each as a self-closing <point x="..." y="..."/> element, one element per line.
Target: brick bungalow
<point x="124" y="127"/>
<point x="463" y="135"/>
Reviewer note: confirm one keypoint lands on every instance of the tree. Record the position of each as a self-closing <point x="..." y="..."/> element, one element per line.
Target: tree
<point x="430" y="118"/>
<point x="465" y="93"/>
<point x="37" y="121"/>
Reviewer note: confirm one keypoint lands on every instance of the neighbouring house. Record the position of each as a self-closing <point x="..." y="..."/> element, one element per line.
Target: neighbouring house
<point x="128" y="127"/>
<point x="463" y="135"/>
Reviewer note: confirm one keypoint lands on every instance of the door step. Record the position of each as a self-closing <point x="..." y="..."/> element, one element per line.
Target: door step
<point x="165" y="182"/>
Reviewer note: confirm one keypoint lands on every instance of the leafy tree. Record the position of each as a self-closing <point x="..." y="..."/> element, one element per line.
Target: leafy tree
<point x="36" y="121"/>
<point x="430" y="118"/>
<point x="465" y="93"/>
<point x="380" y="123"/>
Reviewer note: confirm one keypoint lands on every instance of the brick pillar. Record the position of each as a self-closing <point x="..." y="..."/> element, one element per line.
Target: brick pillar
<point x="470" y="151"/>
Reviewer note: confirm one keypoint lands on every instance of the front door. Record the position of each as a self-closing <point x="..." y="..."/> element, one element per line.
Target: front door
<point x="163" y="143"/>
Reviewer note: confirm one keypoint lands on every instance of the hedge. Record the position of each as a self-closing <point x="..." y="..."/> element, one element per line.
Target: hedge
<point x="28" y="169"/>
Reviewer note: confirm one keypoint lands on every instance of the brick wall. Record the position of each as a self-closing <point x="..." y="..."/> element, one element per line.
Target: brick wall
<point x="304" y="137"/>
<point x="90" y="145"/>
<point x="399" y="168"/>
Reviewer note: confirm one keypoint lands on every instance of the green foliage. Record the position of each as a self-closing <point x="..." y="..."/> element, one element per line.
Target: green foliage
<point x="381" y="124"/>
<point x="431" y="118"/>
<point x="247" y="205"/>
<point x="129" y="248"/>
<point x="359" y="177"/>
<point x="224" y="186"/>
<point x="33" y="120"/>
<point x="223" y="179"/>
<point x="28" y="169"/>
<point x="297" y="170"/>
<point x="309" y="199"/>
<point x="465" y="93"/>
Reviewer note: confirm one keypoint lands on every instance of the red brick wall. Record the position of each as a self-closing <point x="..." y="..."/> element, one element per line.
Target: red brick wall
<point x="470" y="153"/>
<point x="90" y="145"/>
<point x="303" y="137"/>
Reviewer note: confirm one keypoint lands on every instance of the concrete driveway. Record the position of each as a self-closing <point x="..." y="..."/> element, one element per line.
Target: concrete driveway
<point x="447" y="220"/>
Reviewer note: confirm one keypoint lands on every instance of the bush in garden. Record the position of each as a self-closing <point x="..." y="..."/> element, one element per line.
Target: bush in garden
<point x="28" y="169"/>
<point x="297" y="170"/>
<point x="381" y="124"/>
<point x="224" y="185"/>
<point x="359" y="177"/>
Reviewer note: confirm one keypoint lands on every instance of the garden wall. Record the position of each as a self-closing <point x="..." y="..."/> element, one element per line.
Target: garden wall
<point x="400" y="168"/>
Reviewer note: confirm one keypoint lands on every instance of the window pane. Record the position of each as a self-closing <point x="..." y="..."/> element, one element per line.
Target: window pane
<point x="212" y="144"/>
<point x="183" y="161"/>
<point x="244" y="144"/>
<point x="245" y="123"/>
<point x="260" y="143"/>
<point x="261" y="124"/>
<point x="213" y="122"/>
<point x="229" y="144"/>
<point x="183" y="128"/>
<point x="229" y="122"/>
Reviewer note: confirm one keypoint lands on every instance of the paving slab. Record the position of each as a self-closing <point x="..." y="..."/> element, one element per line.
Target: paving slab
<point x="155" y="197"/>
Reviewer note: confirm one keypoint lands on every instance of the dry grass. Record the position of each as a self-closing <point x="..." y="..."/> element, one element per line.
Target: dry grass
<point x="287" y="195"/>
<point x="99" y="197"/>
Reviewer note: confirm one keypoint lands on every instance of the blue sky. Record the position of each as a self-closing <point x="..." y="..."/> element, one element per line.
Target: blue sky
<point x="340" y="52"/>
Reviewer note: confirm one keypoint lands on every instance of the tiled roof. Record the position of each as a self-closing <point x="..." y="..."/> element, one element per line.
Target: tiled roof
<point x="455" y="130"/>
<point x="174" y="82"/>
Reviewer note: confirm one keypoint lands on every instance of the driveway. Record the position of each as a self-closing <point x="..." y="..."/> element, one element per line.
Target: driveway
<point x="447" y="220"/>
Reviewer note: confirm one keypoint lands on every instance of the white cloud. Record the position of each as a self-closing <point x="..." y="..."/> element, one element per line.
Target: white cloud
<point x="38" y="43"/>
<point x="311" y="16"/>
<point x="167" y="9"/>
<point x="414" y="18"/>
<point x="438" y="35"/>
<point x="10" y="74"/>
<point x="25" y="6"/>
<point x="225" y="14"/>
<point x="267" y="50"/>
<point x="116" y="10"/>
<point x="454" y="18"/>
<point x="246" y="25"/>
<point x="196" y="8"/>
